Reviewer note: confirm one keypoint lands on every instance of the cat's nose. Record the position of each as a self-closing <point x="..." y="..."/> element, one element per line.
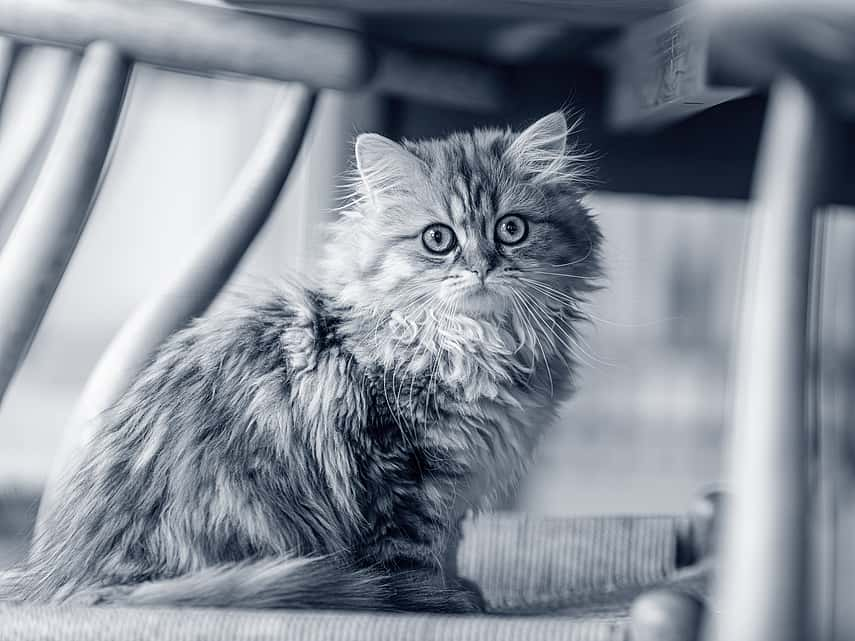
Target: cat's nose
<point x="481" y="264"/>
<point x="481" y="272"/>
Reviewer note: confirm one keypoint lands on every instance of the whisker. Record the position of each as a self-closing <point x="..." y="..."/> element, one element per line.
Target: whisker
<point x="559" y="274"/>
<point x="557" y="294"/>
<point x="653" y="323"/>
<point x="529" y="331"/>
<point x="579" y="260"/>
<point x="577" y="341"/>
<point x="551" y="329"/>
<point x="545" y="362"/>
<point x="568" y="304"/>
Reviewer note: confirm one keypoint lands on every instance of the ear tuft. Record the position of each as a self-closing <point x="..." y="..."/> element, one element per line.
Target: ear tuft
<point x="385" y="166"/>
<point x="541" y="151"/>
<point x="548" y="136"/>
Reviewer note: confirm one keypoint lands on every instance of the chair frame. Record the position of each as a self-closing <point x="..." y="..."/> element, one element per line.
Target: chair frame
<point x="764" y="554"/>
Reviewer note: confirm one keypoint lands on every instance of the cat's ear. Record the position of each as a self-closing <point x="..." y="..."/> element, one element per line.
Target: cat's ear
<point x="385" y="167"/>
<point x="541" y="150"/>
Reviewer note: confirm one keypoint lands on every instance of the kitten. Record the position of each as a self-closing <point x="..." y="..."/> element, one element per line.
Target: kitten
<point x="318" y="447"/>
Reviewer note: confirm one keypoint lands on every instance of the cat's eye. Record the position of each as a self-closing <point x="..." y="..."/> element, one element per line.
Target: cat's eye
<point x="511" y="229"/>
<point x="438" y="238"/>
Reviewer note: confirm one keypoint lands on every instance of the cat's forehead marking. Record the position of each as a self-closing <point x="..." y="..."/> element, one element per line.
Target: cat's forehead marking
<point x="456" y="208"/>
<point x="470" y="200"/>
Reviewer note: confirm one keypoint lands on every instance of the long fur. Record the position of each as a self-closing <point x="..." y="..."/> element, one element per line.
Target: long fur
<point x="279" y="582"/>
<point x="317" y="447"/>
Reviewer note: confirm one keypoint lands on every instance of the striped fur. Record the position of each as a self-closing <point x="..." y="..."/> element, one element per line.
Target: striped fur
<point x="317" y="447"/>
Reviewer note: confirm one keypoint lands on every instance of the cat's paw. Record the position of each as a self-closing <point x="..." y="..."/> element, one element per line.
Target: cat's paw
<point x="465" y="598"/>
<point x="430" y="592"/>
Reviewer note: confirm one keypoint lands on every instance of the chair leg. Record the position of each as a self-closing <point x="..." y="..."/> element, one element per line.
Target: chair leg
<point x="194" y="286"/>
<point x="37" y="252"/>
<point x="761" y="589"/>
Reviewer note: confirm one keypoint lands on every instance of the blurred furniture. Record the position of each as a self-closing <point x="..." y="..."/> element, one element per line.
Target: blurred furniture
<point x="658" y="87"/>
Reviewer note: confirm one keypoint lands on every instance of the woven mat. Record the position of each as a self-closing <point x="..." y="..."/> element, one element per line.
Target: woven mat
<point x="544" y="579"/>
<point x="537" y="564"/>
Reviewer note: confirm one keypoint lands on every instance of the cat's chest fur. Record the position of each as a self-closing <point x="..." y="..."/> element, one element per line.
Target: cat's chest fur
<point x="396" y="439"/>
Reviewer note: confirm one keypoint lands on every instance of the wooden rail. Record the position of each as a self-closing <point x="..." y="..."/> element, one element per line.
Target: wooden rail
<point x="34" y="257"/>
<point x="602" y="13"/>
<point x="206" y="39"/>
<point x="197" y="38"/>
<point x="25" y="152"/>
<point x="763" y="582"/>
<point x="195" y="284"/>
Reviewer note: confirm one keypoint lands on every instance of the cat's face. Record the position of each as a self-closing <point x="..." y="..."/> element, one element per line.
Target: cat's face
<point x="487" y="223"/>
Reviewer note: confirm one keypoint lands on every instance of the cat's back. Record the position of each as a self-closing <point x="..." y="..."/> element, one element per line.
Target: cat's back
<point x="223" y="381"/>
<point x="226" y="356"/>
<point x="190" y="466"/>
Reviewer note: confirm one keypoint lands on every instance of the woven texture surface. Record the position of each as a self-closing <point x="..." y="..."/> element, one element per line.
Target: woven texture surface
<point x="578" y="574"/>
<point x="122" y="624"/>
<point x="534" y="564"/>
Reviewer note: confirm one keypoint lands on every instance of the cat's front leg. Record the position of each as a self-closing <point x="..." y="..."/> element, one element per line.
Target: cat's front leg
<point x="466" y="596"/>
<point x="421" y="578"/>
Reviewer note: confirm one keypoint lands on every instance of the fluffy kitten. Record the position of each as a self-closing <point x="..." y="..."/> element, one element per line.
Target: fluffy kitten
<point x="318" y="447"/>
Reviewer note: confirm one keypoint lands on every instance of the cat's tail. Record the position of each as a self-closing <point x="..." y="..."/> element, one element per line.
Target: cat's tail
<point x="281" y="582"/>
<point x="272" y="582"/>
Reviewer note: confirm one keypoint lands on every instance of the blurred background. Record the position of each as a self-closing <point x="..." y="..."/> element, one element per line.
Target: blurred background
<point x="644" y="432"/>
